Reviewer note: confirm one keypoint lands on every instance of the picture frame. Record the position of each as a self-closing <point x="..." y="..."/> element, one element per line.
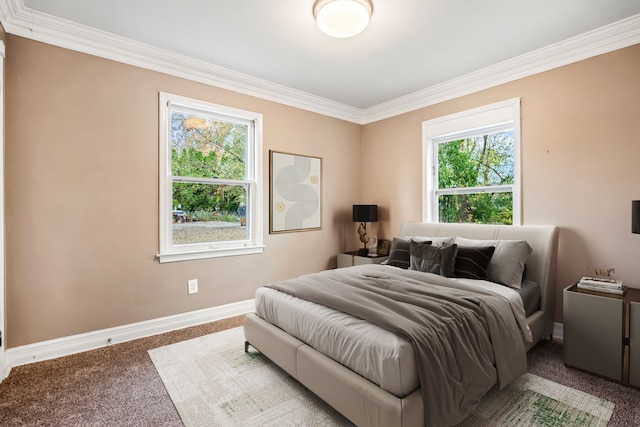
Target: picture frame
<point x="295" y="188"/>
<point x="383" y="247"/>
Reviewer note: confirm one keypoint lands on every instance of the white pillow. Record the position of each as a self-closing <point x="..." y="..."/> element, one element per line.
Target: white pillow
<point x="508" y="260"/>
<point x="435" y="241"/>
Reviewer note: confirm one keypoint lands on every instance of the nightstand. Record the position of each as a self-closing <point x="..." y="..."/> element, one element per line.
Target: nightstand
<point x="602" y="333"/>
<point x="349" y="259"/>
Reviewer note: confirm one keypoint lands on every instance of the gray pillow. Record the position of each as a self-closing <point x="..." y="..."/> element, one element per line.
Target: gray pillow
<point x="508" y="260"/>
<point x="399" y="253"/>
<point x="433" y="259"/>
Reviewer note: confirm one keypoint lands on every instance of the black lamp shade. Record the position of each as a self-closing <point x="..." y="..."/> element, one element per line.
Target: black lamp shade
<point x="365" y="213"/>
<point x="635" y="216"/>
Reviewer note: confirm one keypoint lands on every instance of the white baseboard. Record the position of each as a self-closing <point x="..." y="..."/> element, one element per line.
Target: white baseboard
<point x="88" y="341"/>
<point x="65" y="346"/>
<point x="558" y="331"/>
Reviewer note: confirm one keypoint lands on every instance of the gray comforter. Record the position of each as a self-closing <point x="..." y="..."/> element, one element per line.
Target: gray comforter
<point x="465" y="339"/>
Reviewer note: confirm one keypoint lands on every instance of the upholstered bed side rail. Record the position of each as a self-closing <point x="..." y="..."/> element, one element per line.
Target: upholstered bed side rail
<point x="284" y="350"/>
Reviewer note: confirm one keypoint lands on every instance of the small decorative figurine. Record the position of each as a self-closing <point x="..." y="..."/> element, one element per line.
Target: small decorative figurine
<point x="373" y="249"/>
<point x="603" y="273"/>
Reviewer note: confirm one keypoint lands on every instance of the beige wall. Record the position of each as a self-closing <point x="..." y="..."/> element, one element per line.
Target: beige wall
<point x="580" y="161"/>
<point x="82" y="184"/>
<point x="82" y="196"/>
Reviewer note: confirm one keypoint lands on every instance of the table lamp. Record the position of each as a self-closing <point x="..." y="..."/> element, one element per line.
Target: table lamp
<point x="364" y="214"/>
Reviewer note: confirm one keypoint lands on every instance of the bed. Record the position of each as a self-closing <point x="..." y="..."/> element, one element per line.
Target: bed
<point x="336" y="363"/>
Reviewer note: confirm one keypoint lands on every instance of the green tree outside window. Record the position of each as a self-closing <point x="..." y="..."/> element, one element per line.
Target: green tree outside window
<point x="471" y="172"/>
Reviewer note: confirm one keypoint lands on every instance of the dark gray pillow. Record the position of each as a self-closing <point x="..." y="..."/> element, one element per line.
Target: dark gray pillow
<point x="473" y="262"/>
<point x="433" y="259"/>
<point x="399" y="253"/>
<point x="508" y="260"/>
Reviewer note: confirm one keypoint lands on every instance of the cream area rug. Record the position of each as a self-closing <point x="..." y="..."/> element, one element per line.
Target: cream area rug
<point x="213" y="382"/>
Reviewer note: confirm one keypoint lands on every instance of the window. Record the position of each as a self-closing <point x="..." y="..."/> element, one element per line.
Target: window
<point x="471" y="166"/>
<point x="210" y="167"/>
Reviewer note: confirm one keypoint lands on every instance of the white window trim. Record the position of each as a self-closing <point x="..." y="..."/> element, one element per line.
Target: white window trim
<point x="466" y="123"/>
<point x="170" y="253"/>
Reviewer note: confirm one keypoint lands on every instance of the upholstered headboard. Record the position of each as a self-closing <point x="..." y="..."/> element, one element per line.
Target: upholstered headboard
<point x="541" y="264"/>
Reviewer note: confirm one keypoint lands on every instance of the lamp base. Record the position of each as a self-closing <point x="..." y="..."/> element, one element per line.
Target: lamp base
<point x="363" y="252"/>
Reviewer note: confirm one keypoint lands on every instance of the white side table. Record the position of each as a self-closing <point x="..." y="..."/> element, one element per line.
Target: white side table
<point x="349" y="259"/>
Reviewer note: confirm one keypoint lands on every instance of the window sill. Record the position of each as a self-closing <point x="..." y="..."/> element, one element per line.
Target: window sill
<point x="194" y="255"/>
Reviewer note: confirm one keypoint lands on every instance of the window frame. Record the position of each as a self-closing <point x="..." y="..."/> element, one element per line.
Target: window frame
<point x="486" y="119"/>
<point x="253" y="181"/>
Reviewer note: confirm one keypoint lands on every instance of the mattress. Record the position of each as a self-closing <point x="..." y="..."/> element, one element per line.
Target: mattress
<point x="367" y="349"/>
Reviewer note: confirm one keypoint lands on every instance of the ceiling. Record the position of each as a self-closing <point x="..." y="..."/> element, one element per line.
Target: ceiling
<point x="410" y="46"/>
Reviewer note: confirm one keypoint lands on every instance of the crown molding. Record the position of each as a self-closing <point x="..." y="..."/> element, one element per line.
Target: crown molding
<point x="602" y="40"/>
<point x="24" y="22"/>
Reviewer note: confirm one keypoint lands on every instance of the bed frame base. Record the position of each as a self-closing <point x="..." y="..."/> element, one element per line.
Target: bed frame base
<point x="359" y="400"/>
<point x="363" y="402"/>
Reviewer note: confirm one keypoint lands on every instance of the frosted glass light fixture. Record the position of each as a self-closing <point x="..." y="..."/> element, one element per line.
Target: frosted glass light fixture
<point x="342" y="18"/>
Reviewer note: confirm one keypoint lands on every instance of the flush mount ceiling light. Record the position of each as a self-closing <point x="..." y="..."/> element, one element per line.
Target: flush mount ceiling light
<point x="342" y="18"/>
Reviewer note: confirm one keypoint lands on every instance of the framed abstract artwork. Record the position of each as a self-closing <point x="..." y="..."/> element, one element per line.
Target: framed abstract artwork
<point x="296" y="192"/>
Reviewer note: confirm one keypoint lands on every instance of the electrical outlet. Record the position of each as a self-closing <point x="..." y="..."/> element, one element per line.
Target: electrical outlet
<point x="193" y="286"/>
